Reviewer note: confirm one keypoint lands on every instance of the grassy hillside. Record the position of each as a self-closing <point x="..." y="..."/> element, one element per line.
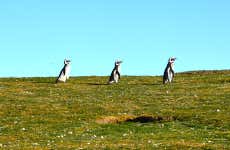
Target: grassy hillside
<point x="137" y="113"/>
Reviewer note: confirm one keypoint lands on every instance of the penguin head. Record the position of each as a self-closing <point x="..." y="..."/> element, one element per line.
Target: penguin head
<point x="66" y="61"/>
<point x="172" y="59"/>
<point x="117" y="63"/>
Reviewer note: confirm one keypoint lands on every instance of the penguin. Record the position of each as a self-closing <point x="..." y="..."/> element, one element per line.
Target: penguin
<point x="115" y="75"/>
<point x="64" y="73"/>
<point x="169" y="71"/>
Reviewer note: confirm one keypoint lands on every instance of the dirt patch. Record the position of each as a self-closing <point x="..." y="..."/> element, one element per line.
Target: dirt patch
<point x="130" y="118"/>
<point x="113" y="119"/>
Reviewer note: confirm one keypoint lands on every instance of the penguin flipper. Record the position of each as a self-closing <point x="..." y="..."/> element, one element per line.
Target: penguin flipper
<point x="64" y="70"/>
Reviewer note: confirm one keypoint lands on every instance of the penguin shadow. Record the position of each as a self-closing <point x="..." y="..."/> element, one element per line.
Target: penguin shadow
<point x="96" y="84"/>
<point x="150" y="84"/>
<point x="52" y="81"/>
<point x="123" y="83"/>
<point x="44" y="82"/>
<point x="146" y="84"/>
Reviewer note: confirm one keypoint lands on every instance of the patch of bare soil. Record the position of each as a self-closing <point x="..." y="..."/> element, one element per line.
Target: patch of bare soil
<point x="130" y="118"/>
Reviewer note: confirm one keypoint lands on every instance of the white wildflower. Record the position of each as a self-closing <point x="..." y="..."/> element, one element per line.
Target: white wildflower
<point x="70" y="132"/>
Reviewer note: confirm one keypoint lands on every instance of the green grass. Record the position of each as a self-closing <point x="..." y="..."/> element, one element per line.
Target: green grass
<point x="35" y="113"/>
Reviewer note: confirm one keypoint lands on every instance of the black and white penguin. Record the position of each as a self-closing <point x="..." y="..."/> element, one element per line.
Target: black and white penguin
<point x="64" y="74"/>
<point x="169" y="71"/>
<point x="115" y="75"/>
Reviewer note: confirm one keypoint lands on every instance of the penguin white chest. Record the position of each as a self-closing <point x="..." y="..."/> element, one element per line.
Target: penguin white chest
<point x="116" y="77"/>
<point x="170" y="75"/>
<point x="67" y="71"/>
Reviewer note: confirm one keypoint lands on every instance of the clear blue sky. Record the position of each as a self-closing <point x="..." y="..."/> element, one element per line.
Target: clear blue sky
<point x="36" y="36"/>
